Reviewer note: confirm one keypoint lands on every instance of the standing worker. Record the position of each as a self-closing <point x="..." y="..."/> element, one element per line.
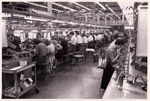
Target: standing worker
<point x="111" y="57"/>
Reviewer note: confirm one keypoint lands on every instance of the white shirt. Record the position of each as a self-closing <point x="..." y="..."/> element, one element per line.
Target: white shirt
<point x="99" y="37"/>
<point x="73" y="40"/>
<point x="79" y="39"/>
<point x="112" y="43"/>
<point x="85" y="39"/>
<point x="96" y="37"/>
<point x="51" y="48"/>
<point x="90" y="38"/>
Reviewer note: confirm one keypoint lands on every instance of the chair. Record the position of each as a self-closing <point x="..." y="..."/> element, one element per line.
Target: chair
<point x="103" y="54"/>
<point x="43" y="68"/>
<point x="89" y="52"/>
<point x="102" y="65"/>
<point x="79" y="58"/>
<point x="69" y="59"/>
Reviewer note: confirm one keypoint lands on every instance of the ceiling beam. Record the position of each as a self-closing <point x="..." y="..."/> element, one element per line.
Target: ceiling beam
<point x="109" y="17"/>
<point x="82" y="6"/>
<point x="64" y="7"/>
<point x="113" y="12"/>
<point x="34" y="4"/>
<point x="101" y="5"/>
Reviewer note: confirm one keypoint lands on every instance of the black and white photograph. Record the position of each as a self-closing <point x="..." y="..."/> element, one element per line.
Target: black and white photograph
<point x="80" y="49"/>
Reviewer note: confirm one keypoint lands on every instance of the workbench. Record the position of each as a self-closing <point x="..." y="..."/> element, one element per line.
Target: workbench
<point x="127" y="91"/>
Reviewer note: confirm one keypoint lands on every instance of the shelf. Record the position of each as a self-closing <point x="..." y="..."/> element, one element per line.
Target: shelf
<point x="18" y="70"/>
<point x="27" y="89"/>
<point x="14" y="91"/>
<point x="20" y="93"/>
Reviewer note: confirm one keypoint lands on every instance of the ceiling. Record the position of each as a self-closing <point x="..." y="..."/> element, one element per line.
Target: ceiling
<point x="89" y="8"/>
<point x="72" y="11"/>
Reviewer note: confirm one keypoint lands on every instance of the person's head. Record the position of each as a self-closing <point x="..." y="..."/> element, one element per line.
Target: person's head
<point x="46" y="42"/>
<point x="115" y="36"/>
<point x="119" y="43"/>
<point x="71" y="33"/>
<point x="36" y="41"/>
<point x="77" y="32"/>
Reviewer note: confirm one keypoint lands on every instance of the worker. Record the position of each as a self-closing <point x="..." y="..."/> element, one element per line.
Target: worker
<point x="111" y="57"/>
<point x="79" y="41"/>
<point x="90" y="41"/>
<point x="40" y="54"/>
<point x="85" y="41"/>
<point x="73" y="41"/>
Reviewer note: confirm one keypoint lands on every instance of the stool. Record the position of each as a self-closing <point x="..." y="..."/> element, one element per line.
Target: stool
<point x="43" y="67"/>
<point x="89" y="51"/>
<point x="79" y="59"/>
<point x="70" y="59"/>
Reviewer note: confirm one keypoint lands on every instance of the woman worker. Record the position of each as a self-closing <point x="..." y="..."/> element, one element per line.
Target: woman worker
<point x="111" y="57"/>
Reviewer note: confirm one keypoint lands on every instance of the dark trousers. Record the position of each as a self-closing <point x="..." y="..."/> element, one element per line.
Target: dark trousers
<point x="73" y="48"/>
<point x="107" y="74"/>
<point x="78" y="47"/>
<point x="85" y="45"/>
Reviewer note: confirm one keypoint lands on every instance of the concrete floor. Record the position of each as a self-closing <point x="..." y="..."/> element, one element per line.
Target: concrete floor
<point x="71" y="84"/>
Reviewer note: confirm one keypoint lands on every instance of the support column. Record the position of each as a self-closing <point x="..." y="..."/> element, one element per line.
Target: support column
<point x="49" y="8"/>
<point x="122" y="18"/>
<point x="105" y="19"/>
<point x="86" y="18"/>
<point x="113" y="21"/>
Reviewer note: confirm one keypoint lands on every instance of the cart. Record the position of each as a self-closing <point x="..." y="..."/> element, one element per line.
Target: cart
<point x="15" y="71"/>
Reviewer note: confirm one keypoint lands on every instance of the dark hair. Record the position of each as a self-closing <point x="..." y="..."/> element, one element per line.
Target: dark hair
<point x="115" y="36"/>
<point x="46" y="42"/>
<point x="36" y="41"/>
<point x="77" y="32"/>
<point x="119" y="42"/>
<point x="71" y="33"/>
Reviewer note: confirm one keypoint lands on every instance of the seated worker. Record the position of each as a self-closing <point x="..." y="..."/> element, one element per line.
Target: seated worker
<point x="64" y="43"/>
<point x="40" y="53"/>
<point x="51" y="55"/>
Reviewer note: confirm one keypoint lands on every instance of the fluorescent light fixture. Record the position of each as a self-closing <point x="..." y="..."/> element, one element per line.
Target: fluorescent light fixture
<point x="6" y="15"/>
<point x="34" y="31"/>
<point x="37" y="19"/>
<point x="18" y="31"/>
<point x="72" y="23"/>
<point x="129" y="27"/>
<point x="109" y="17"/>
<point x="110" y="9"/>
<point x="101" y="5"/>
<point x="57" y="10"/>
<point x="117" y="16"/>
<point x="19" y="15"/>
<point x="34" y="4"/>
<point x="113" y="12"/>
<point x="82" y="6"/>
<point x="82" y="24"/>
<point x="58" y="21"/>
<point x="64" y="6"/>
<point x="89" y="25"/>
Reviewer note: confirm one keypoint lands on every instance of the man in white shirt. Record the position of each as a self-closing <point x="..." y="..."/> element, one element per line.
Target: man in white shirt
<point x="99" y="37"/>
<point x="90" y="41"/>
<point x="73" y="41"/>
<point x="85" y="41"/>
<point x="90" y="38"/>
<point x="79" y="40"/>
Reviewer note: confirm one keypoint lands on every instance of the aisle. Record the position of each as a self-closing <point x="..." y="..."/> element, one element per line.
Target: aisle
<point x="73" y="84"/>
